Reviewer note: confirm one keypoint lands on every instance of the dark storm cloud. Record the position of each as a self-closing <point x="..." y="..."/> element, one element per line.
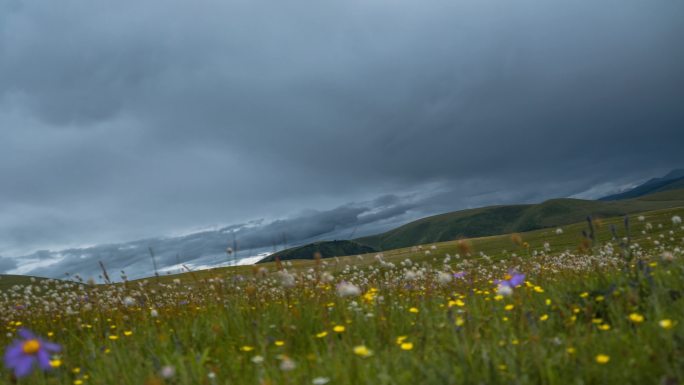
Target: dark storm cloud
<point x="133" y="119"/>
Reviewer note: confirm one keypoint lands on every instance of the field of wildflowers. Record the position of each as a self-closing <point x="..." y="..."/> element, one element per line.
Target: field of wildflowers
<point x="598" y="302"/>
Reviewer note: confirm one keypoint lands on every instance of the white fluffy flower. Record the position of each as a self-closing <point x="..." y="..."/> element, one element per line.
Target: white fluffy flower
<point x="676" y="220"/>
<point x="327" y="277"/>
<point x="167" y="371"/>
<point x="346" y="289"/>
<point x="287" y="364"/>
<point x="129" y="301"/>
<point x="443" y="278"/>
<point x="410" y="275"/>
<point x="286" y="279"/>
<point x="504" y="290"/>
<point x="257" y="360"/>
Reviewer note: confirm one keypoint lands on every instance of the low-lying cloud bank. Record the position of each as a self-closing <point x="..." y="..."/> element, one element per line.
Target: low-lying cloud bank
<point x="209" y="248"/>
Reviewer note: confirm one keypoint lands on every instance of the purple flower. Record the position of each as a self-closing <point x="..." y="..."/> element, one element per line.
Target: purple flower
<point x="513" y="279"/>
<point x="459" y="275"/>
<point x="23" y="354"/>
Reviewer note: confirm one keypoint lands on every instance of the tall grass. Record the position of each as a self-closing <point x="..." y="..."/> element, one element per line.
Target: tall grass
<point x="607" y="313"/>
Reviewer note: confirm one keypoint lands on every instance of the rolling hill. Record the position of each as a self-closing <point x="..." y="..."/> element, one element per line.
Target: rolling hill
<point x="515" y="218"/>
<point x="327" y="249"/>
<point x="9" y="280"/>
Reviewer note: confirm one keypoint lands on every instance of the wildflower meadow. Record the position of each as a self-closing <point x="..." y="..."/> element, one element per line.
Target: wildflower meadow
<point x="597" y="302"/>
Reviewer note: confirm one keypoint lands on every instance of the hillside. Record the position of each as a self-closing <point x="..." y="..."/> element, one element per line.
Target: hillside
<point x="327" y="250"/>
<point x="9" y="280"/>
<point x="672" y="181"/>
<point x="515" y="218"/>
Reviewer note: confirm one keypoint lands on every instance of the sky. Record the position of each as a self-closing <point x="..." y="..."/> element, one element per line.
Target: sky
<point x="132" y="124"/>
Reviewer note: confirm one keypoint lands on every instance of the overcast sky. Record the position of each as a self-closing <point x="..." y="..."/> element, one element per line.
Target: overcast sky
<point x="129" y="120"/>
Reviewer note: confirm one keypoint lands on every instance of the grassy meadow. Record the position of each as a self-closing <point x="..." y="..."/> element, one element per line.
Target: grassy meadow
<point x="605" y="307"/>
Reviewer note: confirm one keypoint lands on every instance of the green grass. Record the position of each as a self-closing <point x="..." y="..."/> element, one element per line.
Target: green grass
<point x="213" y="326"/>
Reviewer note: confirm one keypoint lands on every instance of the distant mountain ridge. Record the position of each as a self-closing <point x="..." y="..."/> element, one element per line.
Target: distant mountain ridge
<point x="673" y="180"/>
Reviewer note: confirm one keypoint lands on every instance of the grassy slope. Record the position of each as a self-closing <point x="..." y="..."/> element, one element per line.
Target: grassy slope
<point x="231" y="321"/>
<point x="8" y="280"/>
<point x="326" y="249"/>
<point x="515" y="218"/>
<point x="496" y="246"/>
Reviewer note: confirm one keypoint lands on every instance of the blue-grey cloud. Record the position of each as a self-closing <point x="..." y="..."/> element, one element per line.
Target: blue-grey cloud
<point x="7" y="264"/>
<point x="146" y="118"/>
<point x="138" y="258"/>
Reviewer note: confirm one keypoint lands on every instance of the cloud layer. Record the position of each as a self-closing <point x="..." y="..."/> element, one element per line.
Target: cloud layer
<point x="135" y="119"/>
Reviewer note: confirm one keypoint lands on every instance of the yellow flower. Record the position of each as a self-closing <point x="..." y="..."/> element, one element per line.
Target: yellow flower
<point x="321" y="334"/>
<point x="128" y="333"/>
<point x="604" y="327"/>
<point x="362" y="351"/>
<point x="339" y="329"/>
<point x="56" y="363"/>
<point x="600" y="298"/>
<point x="509" y="307"/>
<point x="666" y="324"/>
<point x="602" y="359"/>
<point x="571" y="350"/>
<point x="459" y="321"/>
<point x="370" y="294"/>
<point x="459" y="303"/>
<point x="406" y="346"/>
<point x="544" y="317"/>
<point x="636" y="318"/>
<point x="279" y="343"/>
<point x="548" y="302"/>
<point x="247" y="348"/>
<point x="584" y="295"/>
<point x="538" y="289"/>
<point x="113" y="337"/>
<point x="401" y="339"/>
<point x="414" y="310"/>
